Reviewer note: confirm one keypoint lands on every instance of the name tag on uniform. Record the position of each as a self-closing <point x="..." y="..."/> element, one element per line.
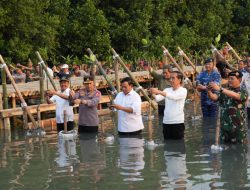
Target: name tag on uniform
<point x="82" y="93"/>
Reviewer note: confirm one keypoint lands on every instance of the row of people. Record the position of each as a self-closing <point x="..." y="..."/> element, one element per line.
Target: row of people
<point x="24" y="74"/>
<point x="127" y="103"/>
<point x="211" y="75"/>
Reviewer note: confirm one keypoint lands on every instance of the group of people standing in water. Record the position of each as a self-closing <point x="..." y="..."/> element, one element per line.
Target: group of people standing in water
<point x="232" y="101"/>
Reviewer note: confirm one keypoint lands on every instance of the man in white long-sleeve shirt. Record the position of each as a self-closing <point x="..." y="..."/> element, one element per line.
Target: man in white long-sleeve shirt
<point x="128" y="104"/>
<point x="173" y="120"/>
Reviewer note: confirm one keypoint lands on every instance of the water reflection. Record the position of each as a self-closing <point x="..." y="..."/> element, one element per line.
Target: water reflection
<point x="208" y="130"/>
<point x="66" y="153"/>
<point x="234" y="167"/>
<point x="92" y="158"/>
<point x="175" y="176"/>
<point x="49" y="163"/>
<point x="5" y="136"/>
<point x="131" y="158"/>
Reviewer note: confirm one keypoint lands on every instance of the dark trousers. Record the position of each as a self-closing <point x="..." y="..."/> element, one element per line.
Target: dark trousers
<point x="70" y="126"/>
<point x="87" y="129"/>
<point x="209" y="110"/>
<point x="161" y="108"/>
<point x="173" y="131"/>
<point x="129" y="133"/>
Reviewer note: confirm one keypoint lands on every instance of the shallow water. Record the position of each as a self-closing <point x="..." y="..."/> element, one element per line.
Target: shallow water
<point x="126" y="163"/>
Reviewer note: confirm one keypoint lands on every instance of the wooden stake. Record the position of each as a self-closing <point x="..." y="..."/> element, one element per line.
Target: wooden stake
<point x="41" y="80"/>
<point x="93" y="71"/>
<point x="38" y="116"/>
<point x="150" y="124"/>
<point x="25" y="119"/>
<point x="96" y="62"/>
<point x="45" y="69"/>
<point x="13" y="102"/>
<point x="65" y="121"/>
<point x="4" y="85"/>
<point x="116" y="56"/>
<point x="117" y="81"/>
<point x="6" y="123"/>
<point x="1" y="101"/>
<point x="181" y="61"/>
<point x="23" y="103"/>
<point x="233" y="51"/>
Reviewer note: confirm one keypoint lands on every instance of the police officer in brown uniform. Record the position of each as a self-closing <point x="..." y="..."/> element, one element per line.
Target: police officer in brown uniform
<point x="88" y="98"/>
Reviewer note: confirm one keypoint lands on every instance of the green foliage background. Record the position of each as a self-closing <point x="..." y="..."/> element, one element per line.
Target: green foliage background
<point x="63" y="29"/>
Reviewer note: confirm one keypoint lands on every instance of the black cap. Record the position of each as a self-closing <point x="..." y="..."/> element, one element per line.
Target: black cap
<point x="209" y="60"/>
<point x="237" y="74"/>
<point x="88" y="79"/>
<point x="64" y="78"/>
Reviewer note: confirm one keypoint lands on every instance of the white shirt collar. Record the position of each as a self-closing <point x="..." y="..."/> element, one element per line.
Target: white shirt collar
<point x="129" y="92"/>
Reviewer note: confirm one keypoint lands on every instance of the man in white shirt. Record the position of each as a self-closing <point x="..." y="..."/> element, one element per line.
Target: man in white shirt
<point x="61" y="98"/>
<point x="246" y="84"/>
<point x="173" y="120"/>
<point x="128" y="104"/>
<point x="51" y="73"/>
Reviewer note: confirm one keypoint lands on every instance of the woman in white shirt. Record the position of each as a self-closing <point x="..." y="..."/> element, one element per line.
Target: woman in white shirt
<point x="173" y="120"/>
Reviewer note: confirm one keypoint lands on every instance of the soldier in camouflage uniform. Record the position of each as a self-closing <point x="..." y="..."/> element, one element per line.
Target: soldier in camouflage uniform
<point x="232" y="104"/>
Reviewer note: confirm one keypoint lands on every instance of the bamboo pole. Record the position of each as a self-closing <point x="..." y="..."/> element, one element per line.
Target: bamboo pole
<point x="181" y="62"/>
<point x="1" y="101"/>
<point x="150" y="124"/>
<point x="41" y="82"/>
<point x="96" y="62"/>
<point x="116" y="56"/>
<point x="117" y="81"/>
<point x="182" y="53"/>
<point x="93" y="72"/>
<point x="1" y="107"/>
<point x="45" y="69"/>
<point x="23" y="103"/>
<point x="217" y="135"/>
<point x="25" y="119"/>
<point x="214" y="50"/>
<point x="233" y="51"/>
<point x="65" y="121"/>
<point x="13" y="102"/>
<point x="4" y="86"/>
<point x="166" y="52"/>
<point x="38" y="115"/>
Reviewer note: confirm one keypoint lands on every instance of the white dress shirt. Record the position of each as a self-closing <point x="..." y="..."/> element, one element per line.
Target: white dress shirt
<point x="174" y="105"/>
<point x="51" y="73"/>
<point x="246" y="82"/>
<point x="129" y="122"/>
<point x="61" y="105"/>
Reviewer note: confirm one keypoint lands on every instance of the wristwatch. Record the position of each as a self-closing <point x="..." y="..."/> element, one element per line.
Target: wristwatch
<point x="221" y="89"/>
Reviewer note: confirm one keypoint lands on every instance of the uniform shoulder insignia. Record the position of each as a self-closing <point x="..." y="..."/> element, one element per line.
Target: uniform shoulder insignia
<point x="98" y="93"/>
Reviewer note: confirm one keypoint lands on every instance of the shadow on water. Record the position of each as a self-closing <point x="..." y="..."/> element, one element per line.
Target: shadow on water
<point x="127" y="163"/>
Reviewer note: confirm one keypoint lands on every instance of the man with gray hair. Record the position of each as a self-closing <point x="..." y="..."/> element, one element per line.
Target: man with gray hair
<point x="163" y="81"/>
